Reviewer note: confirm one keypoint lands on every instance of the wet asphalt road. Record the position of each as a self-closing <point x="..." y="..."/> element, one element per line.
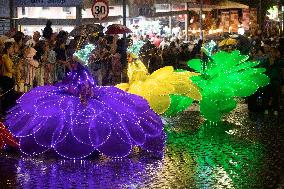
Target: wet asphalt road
<point x="243" y="151"/>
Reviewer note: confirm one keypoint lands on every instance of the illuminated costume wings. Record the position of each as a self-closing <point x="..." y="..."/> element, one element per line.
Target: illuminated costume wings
<point x="162" y="88"/>
<point x="224" y="77"/>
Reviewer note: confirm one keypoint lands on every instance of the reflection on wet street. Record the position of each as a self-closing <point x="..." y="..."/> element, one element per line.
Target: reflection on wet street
<point x="244" y="151"/>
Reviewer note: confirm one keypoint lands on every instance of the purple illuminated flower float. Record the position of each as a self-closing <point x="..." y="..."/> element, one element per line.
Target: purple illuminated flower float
<point x="76" y="117"/>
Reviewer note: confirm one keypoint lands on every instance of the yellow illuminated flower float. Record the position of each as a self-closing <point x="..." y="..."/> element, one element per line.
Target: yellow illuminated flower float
<point x="167" y="91"/>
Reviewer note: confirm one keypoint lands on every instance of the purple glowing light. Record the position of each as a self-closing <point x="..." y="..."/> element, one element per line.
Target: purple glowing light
<point x="76" y="118"/>
<point x="106" y="173"/>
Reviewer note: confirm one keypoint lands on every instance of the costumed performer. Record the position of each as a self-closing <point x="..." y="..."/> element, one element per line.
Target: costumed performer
<point x="162" y="87"/>
<point x="77" y="117"/>
<point x="224" y="77"/>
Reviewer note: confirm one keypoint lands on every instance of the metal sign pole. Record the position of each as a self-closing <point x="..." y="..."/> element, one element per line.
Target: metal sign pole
<point x="11" y="7"/>
<point x="124" y="55"/>
<point x="200" y="19"/>
<point x="124" y="11"/>
<point x="186" y="21"/>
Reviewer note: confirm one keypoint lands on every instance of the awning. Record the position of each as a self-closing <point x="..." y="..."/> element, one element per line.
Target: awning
<point x="230" y="5"/>
<point x="169" y="13"/>
<point x="191" y="7"/>
<point x="46" y="3"/>
<point x="89" y="3"/>
<point x="175" y="13"/>
<point x="172" y="1"/>
<point x="225" y="4"/>
<point x="66" y="22"/>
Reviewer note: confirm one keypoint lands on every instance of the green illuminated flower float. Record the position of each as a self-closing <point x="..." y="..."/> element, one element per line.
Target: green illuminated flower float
<point x="223" y="78"/>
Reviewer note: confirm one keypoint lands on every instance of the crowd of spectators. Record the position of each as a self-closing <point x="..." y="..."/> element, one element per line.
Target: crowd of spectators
<point x="45" y="58"/>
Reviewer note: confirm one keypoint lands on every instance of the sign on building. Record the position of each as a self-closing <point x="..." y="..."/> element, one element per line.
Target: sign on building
<point x="4" y="9"/>
<point x="142" y="8"/>
<point x="4" y="26"/>
<point x="4" y="15"/>
<point x="48" y="3"/>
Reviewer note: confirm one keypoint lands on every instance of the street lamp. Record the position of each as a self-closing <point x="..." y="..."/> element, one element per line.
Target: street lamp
<point x="200" y="19"/>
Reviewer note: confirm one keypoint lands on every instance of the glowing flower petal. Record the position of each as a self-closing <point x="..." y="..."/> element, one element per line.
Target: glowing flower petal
<point x="30" y="147"/>
<point x="122" y="143"/>
<point x="71" y="147"/>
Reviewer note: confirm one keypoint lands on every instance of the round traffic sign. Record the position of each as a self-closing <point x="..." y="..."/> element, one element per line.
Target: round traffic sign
<point x="100" y="9"/>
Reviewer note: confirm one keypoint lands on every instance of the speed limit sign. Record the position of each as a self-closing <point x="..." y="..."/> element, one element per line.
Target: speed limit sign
<point x="100" y="9"/>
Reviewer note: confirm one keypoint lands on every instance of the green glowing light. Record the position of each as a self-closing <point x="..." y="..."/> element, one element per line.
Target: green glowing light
<point x="217" y="157"/>
<point x="227" y="75"/>
<point x="135" y="48"/>
<point x="84" y="54"/>
<point x="178" y="104"/>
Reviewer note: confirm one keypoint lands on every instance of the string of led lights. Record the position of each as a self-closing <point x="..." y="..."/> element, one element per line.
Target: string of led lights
<point x="76" y="118"/>
<point x="160" y="88"/>
<point x="223" y="78"/>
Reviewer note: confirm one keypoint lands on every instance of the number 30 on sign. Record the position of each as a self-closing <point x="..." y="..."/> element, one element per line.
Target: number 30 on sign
<point x="100" y="9"/>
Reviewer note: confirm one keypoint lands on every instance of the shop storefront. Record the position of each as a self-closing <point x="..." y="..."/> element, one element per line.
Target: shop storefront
<point x="34" y="18"/>
<point x="32" y="15"/>
<point x="150" y="16"/>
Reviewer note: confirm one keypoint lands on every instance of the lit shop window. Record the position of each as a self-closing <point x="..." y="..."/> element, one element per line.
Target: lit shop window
<point x="47" y="12"/>
<point x="30" y="29"/>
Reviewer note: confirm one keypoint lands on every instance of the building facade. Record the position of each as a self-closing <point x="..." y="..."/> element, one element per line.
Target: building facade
<point x="5" y="22"/>
<point x="32" y="15"/>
